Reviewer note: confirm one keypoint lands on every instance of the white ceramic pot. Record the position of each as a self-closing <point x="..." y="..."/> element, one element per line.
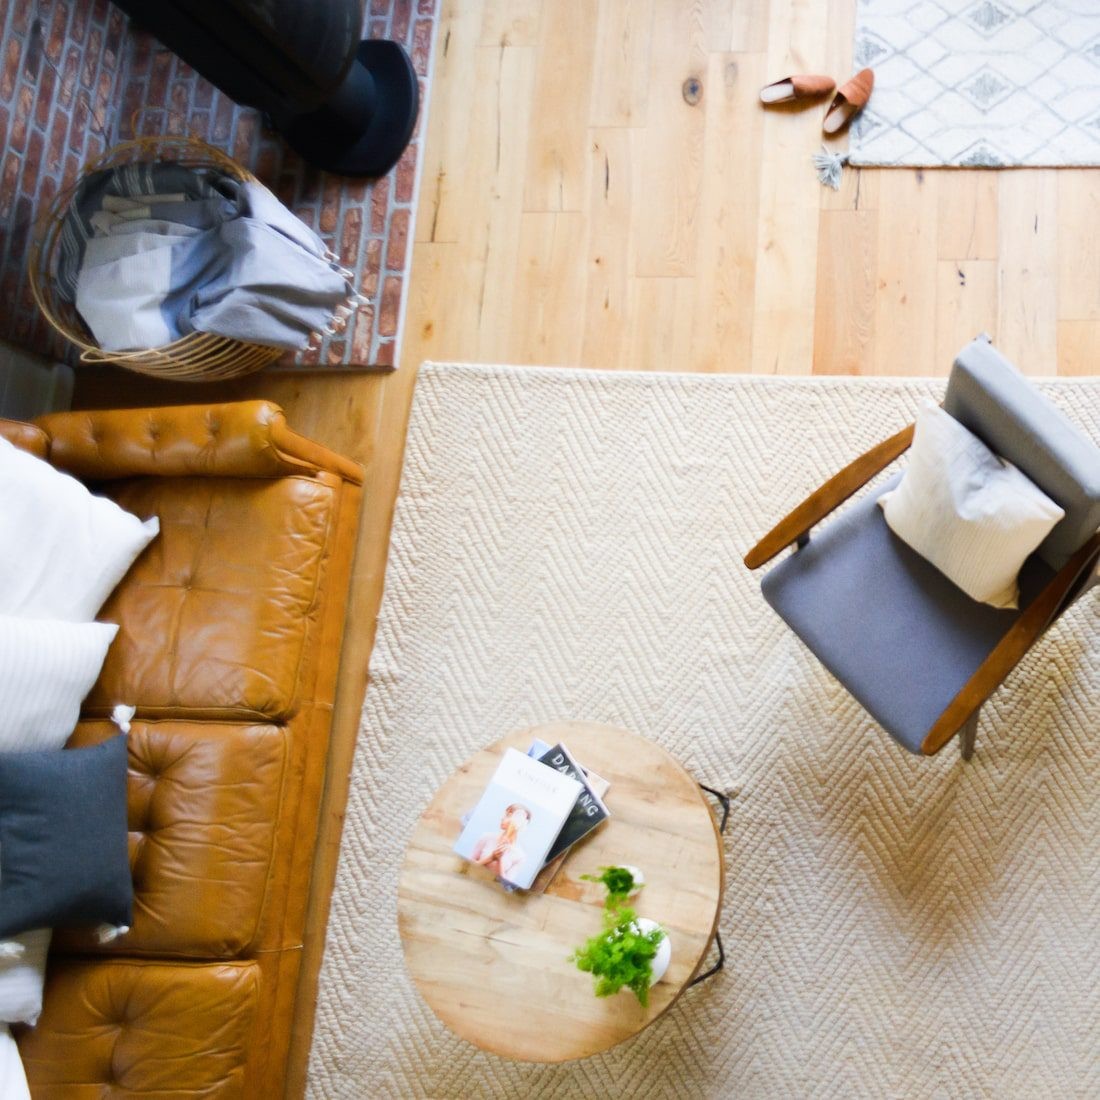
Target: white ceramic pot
<point x="664" y="949"/>
<point x="637" y="875"/>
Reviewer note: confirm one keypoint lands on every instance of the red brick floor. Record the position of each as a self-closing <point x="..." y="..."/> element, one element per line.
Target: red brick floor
<point x="73" y="75"/>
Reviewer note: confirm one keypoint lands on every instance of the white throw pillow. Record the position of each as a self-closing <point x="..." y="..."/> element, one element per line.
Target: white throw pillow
<point x="13" y="1080"/>
<point x="62" y="550"/>
<point x="970" y="513"/>
<point x="46" y="669"/>
<point x="22" y="978"/>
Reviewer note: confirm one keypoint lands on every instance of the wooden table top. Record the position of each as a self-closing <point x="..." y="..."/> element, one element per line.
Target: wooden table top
<point x="495" y="967"/>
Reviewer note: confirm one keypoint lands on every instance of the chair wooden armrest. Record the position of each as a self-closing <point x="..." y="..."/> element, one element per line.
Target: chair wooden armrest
<point x="1011" y="648"/>
<point x="829" y="497"/>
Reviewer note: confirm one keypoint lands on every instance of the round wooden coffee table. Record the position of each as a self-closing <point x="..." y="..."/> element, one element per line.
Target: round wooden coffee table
<point x="494" y="967"/>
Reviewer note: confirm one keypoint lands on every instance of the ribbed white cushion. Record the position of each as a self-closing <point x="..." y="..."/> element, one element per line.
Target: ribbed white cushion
<point x="62" y="550"/>
<point x="46" y="669"/>
<point x="973" y="515"/>
<point x="13" y="1080"/>
<point x="22" y="979"/>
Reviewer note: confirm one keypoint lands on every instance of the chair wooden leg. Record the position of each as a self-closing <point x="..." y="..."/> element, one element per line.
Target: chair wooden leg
<point x="968" y="734"/>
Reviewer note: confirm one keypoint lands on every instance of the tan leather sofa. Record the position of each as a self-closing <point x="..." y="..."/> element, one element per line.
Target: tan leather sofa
<point x="230" y="632"/>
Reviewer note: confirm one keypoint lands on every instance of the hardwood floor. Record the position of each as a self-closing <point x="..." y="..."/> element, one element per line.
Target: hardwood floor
<point x="575" y="208"/>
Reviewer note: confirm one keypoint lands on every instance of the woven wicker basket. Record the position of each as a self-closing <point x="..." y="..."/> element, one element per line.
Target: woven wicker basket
<point x="196" y="357"/>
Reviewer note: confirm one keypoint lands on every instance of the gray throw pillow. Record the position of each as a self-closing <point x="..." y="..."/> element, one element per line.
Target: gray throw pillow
<point x="64" y="857"/>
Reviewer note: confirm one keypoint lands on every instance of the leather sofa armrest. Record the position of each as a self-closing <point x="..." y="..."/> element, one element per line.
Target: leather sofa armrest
<point x="27" y="437"/>
<point x="237" y="439"/>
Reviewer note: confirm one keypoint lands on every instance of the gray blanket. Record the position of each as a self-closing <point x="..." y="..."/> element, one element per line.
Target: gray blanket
<point x="151" y="252"/>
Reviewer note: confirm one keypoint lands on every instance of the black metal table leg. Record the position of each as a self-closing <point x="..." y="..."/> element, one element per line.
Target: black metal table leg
<point x="723" y="800"/>
<point x="716" y="967"/>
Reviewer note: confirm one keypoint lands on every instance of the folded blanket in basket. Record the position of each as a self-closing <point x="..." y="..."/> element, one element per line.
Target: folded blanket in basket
<point x="152" y="252"/>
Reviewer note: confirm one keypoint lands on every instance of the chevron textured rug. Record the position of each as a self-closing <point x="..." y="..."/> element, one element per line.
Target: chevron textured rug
<point x="568" y="544"/>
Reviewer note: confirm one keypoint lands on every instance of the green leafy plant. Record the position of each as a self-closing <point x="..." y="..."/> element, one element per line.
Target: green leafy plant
<point x="619" y="882"/>
<point x="621" y="955"/>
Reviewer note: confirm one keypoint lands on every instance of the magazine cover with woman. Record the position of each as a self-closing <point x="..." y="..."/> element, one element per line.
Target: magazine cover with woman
<point x="518" y="818"/>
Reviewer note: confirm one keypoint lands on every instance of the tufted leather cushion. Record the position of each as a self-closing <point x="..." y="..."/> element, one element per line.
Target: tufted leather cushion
<point x="204" y="799"/>
<point x="142" y="1028"/>
<point x="214" y="615"/>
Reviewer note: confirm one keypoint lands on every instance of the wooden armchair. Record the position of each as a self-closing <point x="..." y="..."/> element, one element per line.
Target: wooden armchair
<point x="916" y="651"/>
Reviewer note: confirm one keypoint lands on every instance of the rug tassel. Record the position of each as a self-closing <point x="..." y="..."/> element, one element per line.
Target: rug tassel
<point x="830" y="167"/>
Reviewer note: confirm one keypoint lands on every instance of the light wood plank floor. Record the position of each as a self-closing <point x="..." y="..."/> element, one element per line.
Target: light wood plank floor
<point x="576" y="209"/>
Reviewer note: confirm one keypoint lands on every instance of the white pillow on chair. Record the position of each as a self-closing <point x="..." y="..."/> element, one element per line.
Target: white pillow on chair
<point x="970" y="513"/>
<point x="62" y="550"/>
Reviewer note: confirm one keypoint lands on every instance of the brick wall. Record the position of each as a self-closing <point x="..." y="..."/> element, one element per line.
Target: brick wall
<point x="60" y="67"/>
<point x="77" y="66"/>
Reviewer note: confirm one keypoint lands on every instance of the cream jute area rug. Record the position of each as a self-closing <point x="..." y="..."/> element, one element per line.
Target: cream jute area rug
<point x="568" y="544"/>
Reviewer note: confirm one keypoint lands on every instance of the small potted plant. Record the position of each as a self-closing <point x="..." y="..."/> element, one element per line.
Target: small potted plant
<point x="622" y="883"/>
<point x="630" y="952"/>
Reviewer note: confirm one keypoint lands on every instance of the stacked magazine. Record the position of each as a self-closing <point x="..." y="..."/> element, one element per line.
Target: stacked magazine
<point x="537" y="806"/>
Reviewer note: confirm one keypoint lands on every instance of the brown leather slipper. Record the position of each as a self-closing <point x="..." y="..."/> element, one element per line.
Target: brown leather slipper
<point x="849" y="100"/>
<point x="801" y="86"/>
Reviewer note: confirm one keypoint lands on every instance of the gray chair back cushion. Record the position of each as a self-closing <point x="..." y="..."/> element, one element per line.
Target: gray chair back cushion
<point x="989" y="396"/>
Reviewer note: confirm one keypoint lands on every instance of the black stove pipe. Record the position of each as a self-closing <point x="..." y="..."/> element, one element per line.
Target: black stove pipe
<point x="345" y="105"/>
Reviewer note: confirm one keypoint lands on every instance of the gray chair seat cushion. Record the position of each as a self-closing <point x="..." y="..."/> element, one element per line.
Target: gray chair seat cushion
<point x="894" y="630"/>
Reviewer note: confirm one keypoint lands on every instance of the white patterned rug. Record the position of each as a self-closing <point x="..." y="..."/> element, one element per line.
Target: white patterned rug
<point x="979" y="83"/>
<point x="567" y="544"/>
